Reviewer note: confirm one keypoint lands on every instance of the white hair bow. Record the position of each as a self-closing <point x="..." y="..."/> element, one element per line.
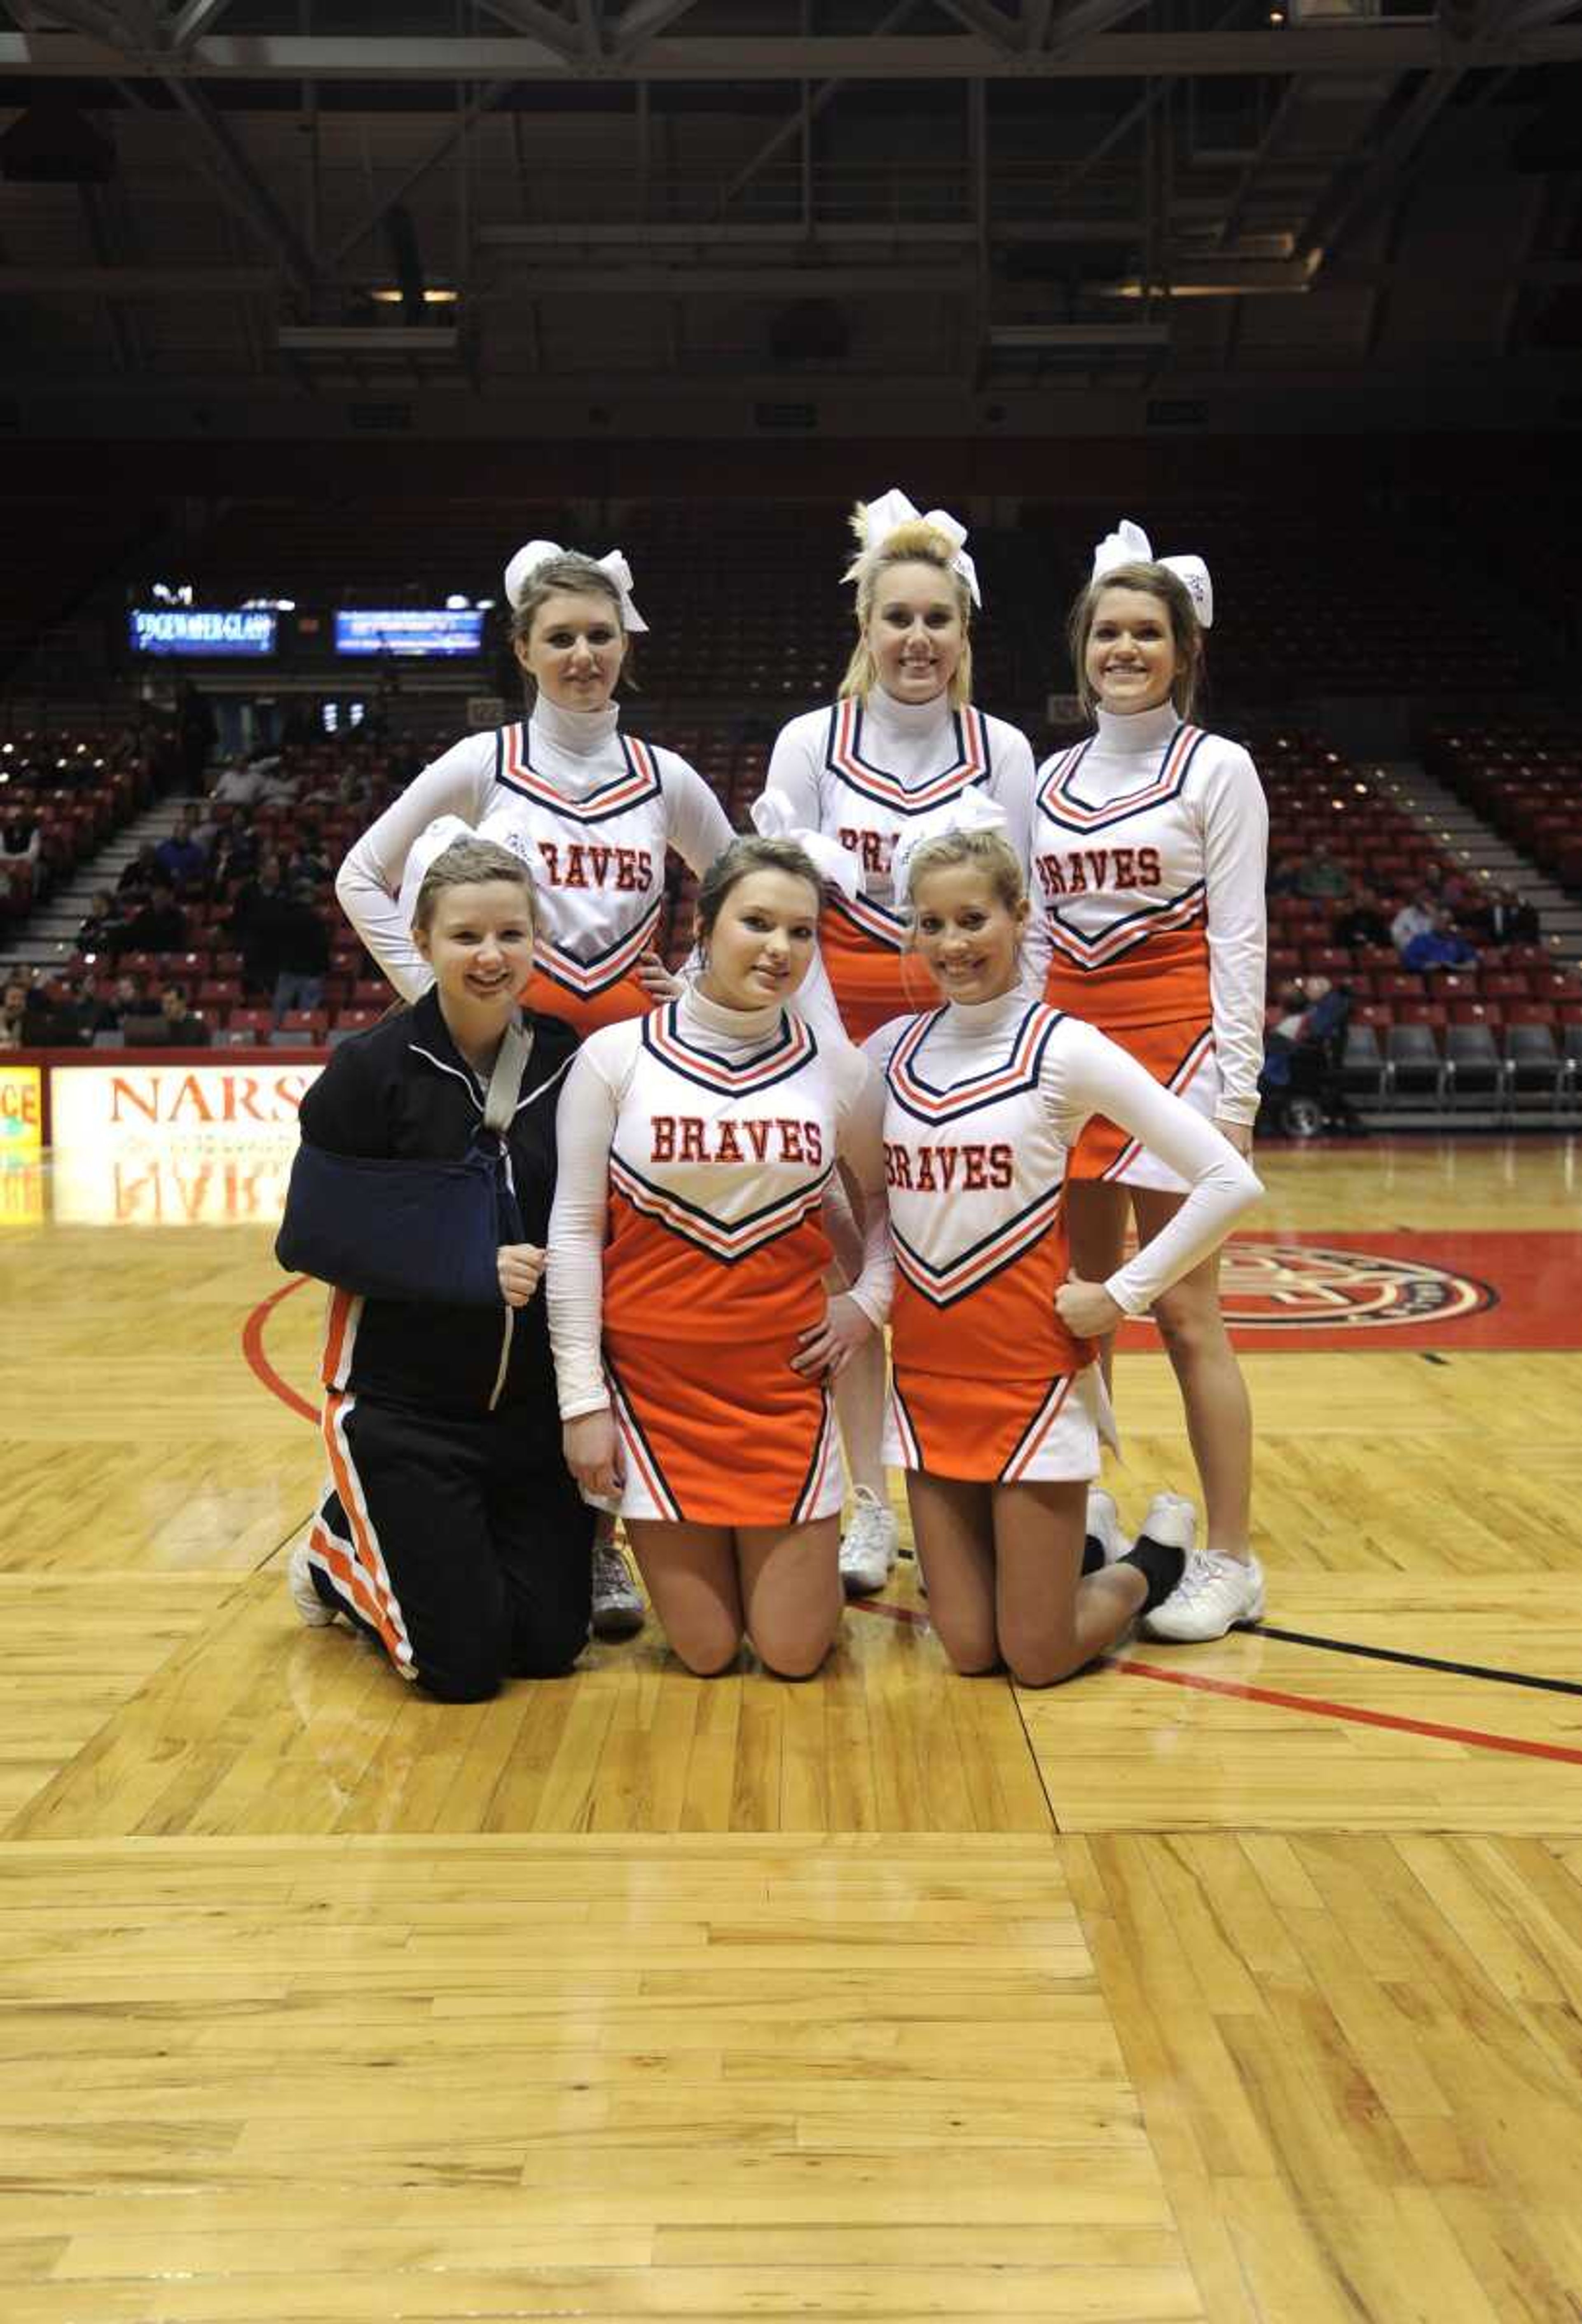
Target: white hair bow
<point x="433" y="840"/>
<point x="528" y="559"/>
<point x="891" y="511"/>
<point x="1128" y="545"/>
<point x="974" y="810"/>
<point x="775" y="818"/>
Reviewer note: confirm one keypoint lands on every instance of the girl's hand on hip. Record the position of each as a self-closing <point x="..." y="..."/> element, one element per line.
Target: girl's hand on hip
<point x="1087" y="1308"/>
<point x="827" y="1348"/>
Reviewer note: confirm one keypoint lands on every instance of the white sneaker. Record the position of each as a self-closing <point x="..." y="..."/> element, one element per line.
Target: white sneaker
<point x="867" y="1546"/>
<point x="306" y="1599"/>
<point x="1172" y="1519"/>
<point x="1102" y="1524"/>
<point x="619" y="1611"/>
<point x="1214" y="1593"/>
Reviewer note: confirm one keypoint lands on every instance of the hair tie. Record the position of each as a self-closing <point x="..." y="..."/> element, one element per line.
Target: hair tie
<point x="519" y="572"/>
<point x="1128" y="545"/>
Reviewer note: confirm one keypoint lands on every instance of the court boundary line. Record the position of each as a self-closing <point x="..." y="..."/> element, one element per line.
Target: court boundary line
<point x="1318" y="1706"/>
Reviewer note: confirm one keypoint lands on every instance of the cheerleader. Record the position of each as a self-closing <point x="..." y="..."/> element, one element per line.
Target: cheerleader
<point x="449" y="1530"/>
<point x="1150" y="841"/>
<point x="998" y="1405"/>
<point x="591" y="809"/>
<point x="902" y="741"/>
<point x="695" y="1346"/>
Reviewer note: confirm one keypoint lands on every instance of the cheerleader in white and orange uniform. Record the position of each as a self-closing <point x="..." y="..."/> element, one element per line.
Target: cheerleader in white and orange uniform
<point x="592" y="810"/>
<point x="902" y="742"/>
<point x="695" y="1344"/>
<point x="998" y="1405"/>
<point x="1149" y="846"/>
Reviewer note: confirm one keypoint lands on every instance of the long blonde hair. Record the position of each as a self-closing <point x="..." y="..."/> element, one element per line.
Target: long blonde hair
<point x="917" y="543"/>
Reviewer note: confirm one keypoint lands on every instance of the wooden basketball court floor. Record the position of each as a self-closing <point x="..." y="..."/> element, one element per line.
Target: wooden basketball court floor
<point x="1239" y="1982"/>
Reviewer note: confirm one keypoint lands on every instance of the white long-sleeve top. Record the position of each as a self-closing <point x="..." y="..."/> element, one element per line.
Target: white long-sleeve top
<point x="861" y="769"/>
<point x="712" y="1133"/>
<point x="591" y="809"/>
<point x="985" y="1102"/>
<point x="1149" y="850"/>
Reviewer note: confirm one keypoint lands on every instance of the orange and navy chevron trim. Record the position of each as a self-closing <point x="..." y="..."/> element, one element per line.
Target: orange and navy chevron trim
<point x="639" y="780"/>
<point x="1180" y="1082"/>
<point x="1120" y="936"/>
<point x="357" y="1565"/>
<point x="920" y="1098"/>
<point x="704" y="1229"/>
<point x="791" y="1048"/>
<point x="818" y="1467"/>
<point x="1036" y="1430"/>
<point x="973" y="761"/>
<point x="1057" y="797"/>
<point x="585" y="977"/>
<point x="911" y="1447"/>
<point x="943" y="1286"/>
<point x="880" y="926"/>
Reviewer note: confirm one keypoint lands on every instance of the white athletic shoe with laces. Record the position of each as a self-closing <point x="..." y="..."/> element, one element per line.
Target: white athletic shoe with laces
<point x="619" y="1611"/>
<point x="306" y="1599"/>
<point x="1215" y="1592"/>
<point x="867" y="1546"/>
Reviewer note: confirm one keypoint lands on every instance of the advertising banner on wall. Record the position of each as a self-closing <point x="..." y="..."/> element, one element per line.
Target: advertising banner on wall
<point x="174" y="1145"/>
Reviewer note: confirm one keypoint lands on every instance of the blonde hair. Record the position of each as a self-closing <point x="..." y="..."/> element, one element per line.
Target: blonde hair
<point x="467" y="863"/>
<point x="988" y="852"/>
<point x="916" y="543"/>
<point x="1185" y="629"/>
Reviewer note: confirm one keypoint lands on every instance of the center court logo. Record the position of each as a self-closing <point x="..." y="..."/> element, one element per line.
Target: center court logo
<point x="1286" y="1286"/>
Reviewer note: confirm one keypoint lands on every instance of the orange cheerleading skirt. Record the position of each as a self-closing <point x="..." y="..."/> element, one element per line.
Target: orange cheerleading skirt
<point x="871" y="982"/>
<point x="1156" y="1005"/>
<point x="721" y="1431"/>
<point x="586" y="1013"/>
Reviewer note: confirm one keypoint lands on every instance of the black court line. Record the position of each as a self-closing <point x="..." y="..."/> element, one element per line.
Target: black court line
<point x="1413" y="1661"/>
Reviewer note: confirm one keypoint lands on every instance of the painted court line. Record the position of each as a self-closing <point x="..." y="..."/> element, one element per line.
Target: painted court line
<point x="1473" y="1737"/>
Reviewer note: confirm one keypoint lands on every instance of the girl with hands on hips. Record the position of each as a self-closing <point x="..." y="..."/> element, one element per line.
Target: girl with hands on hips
<point x="997" y="1405"/>
<point x="694" y="1343"/>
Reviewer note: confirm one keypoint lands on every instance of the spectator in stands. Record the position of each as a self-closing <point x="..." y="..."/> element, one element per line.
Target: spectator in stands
<point x="93" y="1011"/>
<point x="141" y="873"/>
<point x="302" y="949"/>
<point x="49" y="1022"/>
<point x="13" y="1009"/>
<point x="1439" y="946"/>
<point x="233" y="857"/>
<point x="22" y="845"/>
<point x="1363" y="922"/>
<point x="1414" y="918"/>
<point x="128" y="999"/>
<point x="100" y="930"/>
<point x="1284" y="872"/>
<point x="182" y="1029"/>
<point x="307" y="864"/>
<point x="240" y="784"/>
<point x="280" y="786"/>
<point x="180" y="856"/>
<point x="195" y="721"/>
<point x="160" y="925"/>
<point x="260" y="909"/>
<point x="1502" y="917"/>
<point x="1322" y="876"/>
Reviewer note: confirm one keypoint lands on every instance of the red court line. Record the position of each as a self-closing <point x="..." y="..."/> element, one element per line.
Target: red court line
<point x="254" y="1350"/>
<point x="1473" y="1736"/>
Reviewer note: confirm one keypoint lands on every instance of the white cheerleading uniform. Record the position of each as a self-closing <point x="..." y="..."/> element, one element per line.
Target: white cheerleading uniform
<point x="687" y="1250"/>
<point x="862" y="772"/>
<point x="985" y="1103"/>
<point x="592" y="811"/>
<point x="1149" y="846"/>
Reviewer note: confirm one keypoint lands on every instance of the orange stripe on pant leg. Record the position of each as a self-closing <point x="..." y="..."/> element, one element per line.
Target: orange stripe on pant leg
<point x="386" y="1618"/>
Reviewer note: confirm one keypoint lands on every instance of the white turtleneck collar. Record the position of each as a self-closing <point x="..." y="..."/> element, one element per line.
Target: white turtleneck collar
<point x="980" y="1017"/>
<point x="580" y="732"/>
<point x="914" y="720"/>
<point x="702" y="1015"/>
<point x="1122" y="735"/>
